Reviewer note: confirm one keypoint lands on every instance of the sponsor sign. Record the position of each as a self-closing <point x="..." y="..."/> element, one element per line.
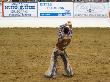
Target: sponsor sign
<point x="109" y="10"/>
<point x="55" y="9"/>
<point x="20" y="9"/>
<point x="0" y="7"/>
<point x="97" y="10"/>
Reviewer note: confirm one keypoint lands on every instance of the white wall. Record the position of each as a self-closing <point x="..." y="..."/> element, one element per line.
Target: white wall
<point x="52" y="22"/>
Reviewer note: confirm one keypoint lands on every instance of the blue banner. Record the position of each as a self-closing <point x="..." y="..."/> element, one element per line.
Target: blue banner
<point x="55" y="9"/>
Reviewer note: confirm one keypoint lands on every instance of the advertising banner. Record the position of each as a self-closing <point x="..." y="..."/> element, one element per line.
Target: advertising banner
<point x="94" y="10"/>
<point x="109" y="10"/>
<point x="20" y="9"/>
<point x="55" y="9"/>
<point x="0" y="8"/>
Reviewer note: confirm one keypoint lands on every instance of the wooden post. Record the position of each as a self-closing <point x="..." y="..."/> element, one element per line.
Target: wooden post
<point x="3" y="8"/>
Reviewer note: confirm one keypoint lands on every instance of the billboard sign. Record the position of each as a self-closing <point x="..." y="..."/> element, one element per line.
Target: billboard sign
<point x="109" y="10"/>
<point x="97" y="10"/>
<point x="55" y="9"/>
<point x="20" y="9"/>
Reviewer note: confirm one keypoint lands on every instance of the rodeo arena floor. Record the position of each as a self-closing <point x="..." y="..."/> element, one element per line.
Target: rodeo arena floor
<point x="26" y="45"/>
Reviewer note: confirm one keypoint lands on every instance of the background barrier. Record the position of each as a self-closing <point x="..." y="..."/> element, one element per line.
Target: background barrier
<point x="0" y="9"/>
<point x="36" y="21"/>
<point x="55" y="9"/>
<point x="97" y="10"/>
<point x="20" y="9"/>
<point x="109" y="10"/>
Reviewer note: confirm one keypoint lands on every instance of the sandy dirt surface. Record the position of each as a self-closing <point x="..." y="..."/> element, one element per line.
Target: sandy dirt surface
<point x="25" y="55"/>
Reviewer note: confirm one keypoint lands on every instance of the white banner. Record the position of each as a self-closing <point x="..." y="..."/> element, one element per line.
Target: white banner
<point x="0" y="7"/>
<point x="20" y="9"/>
<point x="55" y="9"/>
<point x="98" y="10"/>
<point x="109" y="10"/>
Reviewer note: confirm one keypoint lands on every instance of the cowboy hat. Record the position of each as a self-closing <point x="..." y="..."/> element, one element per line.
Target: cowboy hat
<point x="69" y="23"/>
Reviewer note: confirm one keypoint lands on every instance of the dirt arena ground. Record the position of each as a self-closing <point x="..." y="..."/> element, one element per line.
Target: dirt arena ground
<point x="25" y="55"/>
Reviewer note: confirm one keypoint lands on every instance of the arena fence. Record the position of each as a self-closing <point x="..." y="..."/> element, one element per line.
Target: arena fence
<point x="56" y="9"/>
<point x="52" y="14"/>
